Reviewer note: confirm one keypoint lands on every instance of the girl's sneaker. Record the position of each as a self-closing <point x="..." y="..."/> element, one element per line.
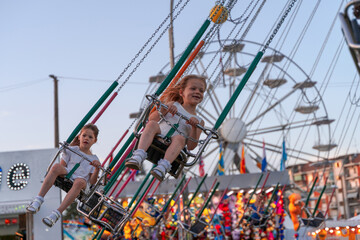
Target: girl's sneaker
<point x="136" y="160"/>
<point x="52" y="218"/>
<point x="161" y="169"/>
<point x="35" y="205"/>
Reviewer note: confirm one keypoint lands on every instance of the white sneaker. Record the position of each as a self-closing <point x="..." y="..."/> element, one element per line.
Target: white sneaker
<point x="52" y="218"/>
<point x="161" y="169"/>
<point x="35" y="205"/>
<point x="136" y="160"/>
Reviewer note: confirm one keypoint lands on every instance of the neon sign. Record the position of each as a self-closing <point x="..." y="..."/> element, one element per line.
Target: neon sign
<point x="17" y="176"/>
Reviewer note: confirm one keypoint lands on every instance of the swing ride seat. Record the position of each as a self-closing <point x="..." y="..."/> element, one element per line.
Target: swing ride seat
<point x="350" y="29"/>
<point x="196" y="228"/>
<point x="103" y="211"/>
<point x="66" y="184"/>
<point x="156" y="151"/>
<point x="194" y="225"/>
<point x="314" y="221"/>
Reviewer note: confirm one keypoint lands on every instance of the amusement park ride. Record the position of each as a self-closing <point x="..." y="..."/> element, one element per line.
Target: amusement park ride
<point x="230" y="129"/>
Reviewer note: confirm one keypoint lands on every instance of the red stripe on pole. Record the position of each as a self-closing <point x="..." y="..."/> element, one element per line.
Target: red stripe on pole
<point x="104" y="108"/>
<point x="142" y="199"/>
<point x="121" y="178"/>
<point x="116" y="145"/>
<point x="155" y="189"/>
<point x="123" y="157"/>
<point x="133" y="172"/>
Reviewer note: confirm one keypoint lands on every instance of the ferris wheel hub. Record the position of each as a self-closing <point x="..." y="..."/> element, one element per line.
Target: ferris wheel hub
<point x="233" y="130"/>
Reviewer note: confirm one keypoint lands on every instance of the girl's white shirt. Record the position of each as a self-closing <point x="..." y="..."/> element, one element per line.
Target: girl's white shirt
<point x="184" y="127"/>
<point x="85" y="169"/>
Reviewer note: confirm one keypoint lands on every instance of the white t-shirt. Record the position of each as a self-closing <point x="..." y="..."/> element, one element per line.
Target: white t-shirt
<point x="183" y="126"/>
<point x="85" y="169"/>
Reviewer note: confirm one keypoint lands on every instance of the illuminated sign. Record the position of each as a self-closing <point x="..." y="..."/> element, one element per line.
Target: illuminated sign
<point x="17" y="175"/>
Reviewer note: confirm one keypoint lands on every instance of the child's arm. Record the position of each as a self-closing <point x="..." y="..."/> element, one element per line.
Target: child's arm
<point x="194" y="133"/>
<point x="155" y="116"/>
<point x="94" y="175"/>
<point x="63" y="163"/>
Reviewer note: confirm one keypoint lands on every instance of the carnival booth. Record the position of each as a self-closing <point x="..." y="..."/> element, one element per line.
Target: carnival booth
<point x="21" y="175"/>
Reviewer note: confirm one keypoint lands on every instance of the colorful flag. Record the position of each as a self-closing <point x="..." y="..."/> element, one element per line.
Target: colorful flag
<point x="283" y="157"/>
<point x="201" y="167"/>
<point x="263" y="162"/>
<point x="221" y="169"/>
<point x="242" y="161"/>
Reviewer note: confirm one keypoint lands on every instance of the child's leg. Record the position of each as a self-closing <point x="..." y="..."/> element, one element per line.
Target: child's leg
<point x="135" y="161"/>
<point x="70" y="197"/>
<point x="164" y="165"/>
<point x="55" y="171"/>
<point x="174" y="149"/>
<point x="78" y="184"/>
<point x="152" y="128"/>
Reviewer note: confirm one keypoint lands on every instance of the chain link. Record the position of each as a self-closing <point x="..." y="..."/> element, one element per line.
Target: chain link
<point x="151" y="47"/>
<point x="278" y="26"/>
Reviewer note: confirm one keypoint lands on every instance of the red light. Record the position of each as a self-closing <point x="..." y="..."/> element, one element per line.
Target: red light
<point x="14" y="221"/>
<point x="7" y="221"/>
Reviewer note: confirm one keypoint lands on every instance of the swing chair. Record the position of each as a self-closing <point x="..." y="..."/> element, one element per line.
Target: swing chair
<point x="191" y="223"/>
<point x="65" y="183"/>
<point x="314" y="221"/>
<point x="91" y="203"/>
<point x="351" y="30"/>
<point x="160" y="143"/>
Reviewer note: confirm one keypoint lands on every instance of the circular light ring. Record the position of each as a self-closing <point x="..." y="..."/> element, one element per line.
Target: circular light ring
<point x="16" y="176"/>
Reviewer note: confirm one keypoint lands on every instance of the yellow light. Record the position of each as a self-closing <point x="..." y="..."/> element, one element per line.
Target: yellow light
<point x="338" y="232"/>
<point x="314" y="234"/>
<point x="218" y="14"/>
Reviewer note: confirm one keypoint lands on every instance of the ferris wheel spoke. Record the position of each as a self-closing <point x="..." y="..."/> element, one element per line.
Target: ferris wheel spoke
<point x="211" y="151"/>
<point x="253" y="92"/>
<point x="209" y="118"/>
<point x="215" y="101"/>
<point x="278" y="149"/>
<point x="289" y="126"/>
<point x="271" y="107"/>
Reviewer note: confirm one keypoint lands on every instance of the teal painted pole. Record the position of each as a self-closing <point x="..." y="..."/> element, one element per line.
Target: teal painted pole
<point x="113" y="178"/>
<point x="319" y="199"/>
<point x="92" y="111"/>
<point x="310" y="192"/>
<point x="182" y="59"/>
<point x="197" y="190"/>
<point x="252" y="194"/>
<point x="100" y="235"/>
<point x="271" y="198"/>
<point x="139" y="189"/>
<point x="122" y="150"/>
<point x="141" y="196"/>
<point x="238" y="90"/>
<point x="172" y="196"/>
<point x="208" y="200"/>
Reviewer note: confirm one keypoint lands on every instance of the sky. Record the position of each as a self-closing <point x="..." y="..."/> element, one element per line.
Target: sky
<point x="88" y="44"/>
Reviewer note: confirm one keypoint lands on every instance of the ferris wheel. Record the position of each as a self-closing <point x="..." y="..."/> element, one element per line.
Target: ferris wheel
<point x="280" y="103"/>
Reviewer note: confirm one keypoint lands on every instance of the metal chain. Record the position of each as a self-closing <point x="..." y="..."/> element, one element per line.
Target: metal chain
<point x="278" y="26"/>
<point x="147" y="42"/>
<point x="151" y="47"/>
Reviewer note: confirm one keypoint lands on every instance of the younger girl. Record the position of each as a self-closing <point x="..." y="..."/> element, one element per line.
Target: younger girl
<point x="182" y="98"/>
<point x="87" y="172"/>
